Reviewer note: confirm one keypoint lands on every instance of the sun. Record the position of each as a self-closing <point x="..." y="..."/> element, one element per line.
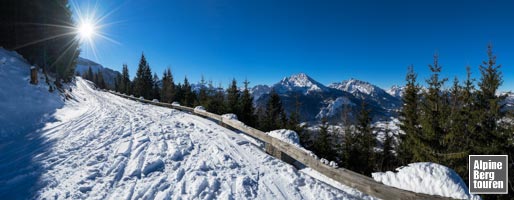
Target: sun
<point x="86" y="30"/>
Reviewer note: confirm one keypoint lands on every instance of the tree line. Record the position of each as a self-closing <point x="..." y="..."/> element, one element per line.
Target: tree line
<point x="442" y="123"/>
<point x="41" y="31"/>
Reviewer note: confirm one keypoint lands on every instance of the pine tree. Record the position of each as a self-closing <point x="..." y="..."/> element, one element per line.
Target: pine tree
<point x="143" y="81"/>
<point x="409" y="120"/>
<point x="433" y="117"/>
<point x="125" y="84"/>
<point x="247" y="114"/>
<point x="491" y="136"/>
<point x="323" y="146"/>
<point x="117" y="82"/>
<point x="90" y="75"/>
<point x="203" y="97"/>
<point x="274" y="113"/>
<point x="216" y="104"/>
<point x="232" y="103"/>
<point x="168" y="89"/>
<point x="156" y="90"/>
<point x="189" y="96"/>
<point x="387" y="157"/>
<point x="365" y="142"/>
<point x="100" y="82"/>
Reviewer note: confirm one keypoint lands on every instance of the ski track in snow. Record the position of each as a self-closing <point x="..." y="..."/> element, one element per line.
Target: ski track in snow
<point x="107" y="147"/>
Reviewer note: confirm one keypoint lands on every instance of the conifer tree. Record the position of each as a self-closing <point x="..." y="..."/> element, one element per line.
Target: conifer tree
<point x="386" y="156"/>
<point x="189" y="96"/>
<point x="203" y="97"/>
<point x="247" y="110"/>
<point x="125" y="83"/>
<point x="323" y="145"/>
<point x="491" y="136"/>
<point x="143" y="81"/>
<point x="156" y="90"/>
<point x="232" y="103"/>
<point x="100" y="82"/>
<point x="409" y="120"/>
<point x="90" y="75"/>
<point x="433" y="117"/>
<point x="168" y="89"/>
<point x="273" y="113"/>
<point x="216" y="104"/>
<point x="365" y="142"/>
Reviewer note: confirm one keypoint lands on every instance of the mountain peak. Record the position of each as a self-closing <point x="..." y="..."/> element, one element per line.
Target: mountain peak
<point x="353" y="85"/>
<point x="300" y="82"/>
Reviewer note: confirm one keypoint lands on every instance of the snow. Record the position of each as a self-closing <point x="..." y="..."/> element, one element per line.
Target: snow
<point x="101" y="146"/>
<point x="285" y="135"/>
<point x="229" y="116"/>
<point x="200" y="108"/>
<point x="427" y="178"/>
<point x="396" y="91"/>
<point x="16" y="93"/>
<point x="299" y="83"/>
<point x="155" y="101"/>
<point x="353" y="86"/>
<point x="334" y="107"/>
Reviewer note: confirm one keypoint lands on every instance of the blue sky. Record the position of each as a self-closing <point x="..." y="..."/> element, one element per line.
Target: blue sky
<point x="266" y="40"/>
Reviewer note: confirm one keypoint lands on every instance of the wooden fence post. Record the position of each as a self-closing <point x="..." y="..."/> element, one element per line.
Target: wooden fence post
<point x="33" y="75"/>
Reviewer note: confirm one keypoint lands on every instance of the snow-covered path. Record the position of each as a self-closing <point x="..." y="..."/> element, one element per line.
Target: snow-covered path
<point x="107" y="147"/>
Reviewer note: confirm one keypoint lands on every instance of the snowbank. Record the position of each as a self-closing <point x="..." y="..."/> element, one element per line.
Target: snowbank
<point x="229" y="116"/>
<point x="23" y="107"/>
<point x="285" y="135"/>
<point x="200" y="108"/>
<point x="427" y="178"/>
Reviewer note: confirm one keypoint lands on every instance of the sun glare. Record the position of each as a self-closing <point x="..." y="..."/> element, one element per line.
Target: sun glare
<point x="86" y="30"/>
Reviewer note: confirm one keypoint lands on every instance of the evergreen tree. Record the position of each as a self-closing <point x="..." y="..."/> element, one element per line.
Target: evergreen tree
<point x="232" y="103"/>
<point x="433" y="118"/>
<point x="90" y="75"/>
<point x="216" y="104"/>
<point x="273" y="113"/>
<point x="143" y="81"/>
<point x="247" y="114"/>
<point x="100" y="82"/>
<point x="189" y="96"/>
<point x="409" y="120"/>
<point x="40" y="31"/>
<point x="168" y="89"/>
<point x="387" y="156"/>
<point x="203" y="96"/>
<point x="125" y="83"/>
<point x="365" y="142"/>
<point x="323" y="146"/>
<point x="489" y="134"/>
<point x="156" y="90"/>
<point x="117" y="83"/>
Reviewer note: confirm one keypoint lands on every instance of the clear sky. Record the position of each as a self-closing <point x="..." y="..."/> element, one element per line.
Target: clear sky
<point x="266" y="40"/>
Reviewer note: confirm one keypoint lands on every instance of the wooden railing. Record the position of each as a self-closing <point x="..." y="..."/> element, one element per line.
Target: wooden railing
<point x="344" y="176"/>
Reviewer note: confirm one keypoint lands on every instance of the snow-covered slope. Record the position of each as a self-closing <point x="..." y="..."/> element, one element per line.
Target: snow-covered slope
<point x="100" y="146"/>
<point x="22" y="106"/>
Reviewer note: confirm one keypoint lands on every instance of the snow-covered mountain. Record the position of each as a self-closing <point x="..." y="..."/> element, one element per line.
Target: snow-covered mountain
<point x="396" y="91"/>
<point x="318" y="101"/>
<point x="299" y="83"/>
<point x="368" y="92"/>
<point x="259" y="90"/>
<point x="109" y="75"/>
